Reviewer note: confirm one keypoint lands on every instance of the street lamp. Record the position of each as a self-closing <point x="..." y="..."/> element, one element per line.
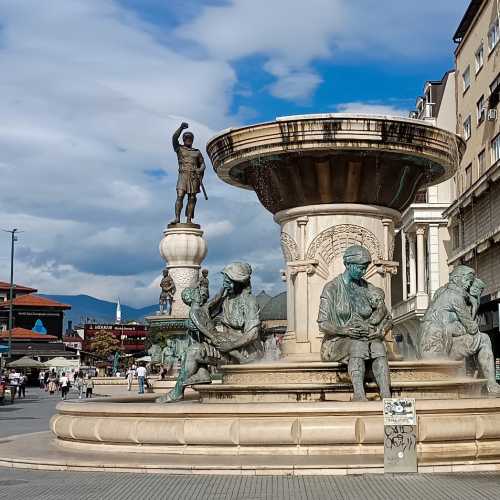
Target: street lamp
<point x="11" y="288"/>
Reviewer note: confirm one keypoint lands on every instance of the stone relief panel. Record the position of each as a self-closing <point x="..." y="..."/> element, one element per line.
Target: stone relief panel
<point x="330" y="244"/>
<point x="289" y="248"/>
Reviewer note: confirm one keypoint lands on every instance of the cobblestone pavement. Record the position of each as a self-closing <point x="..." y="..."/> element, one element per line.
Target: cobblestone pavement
<point x="43" y="485"/>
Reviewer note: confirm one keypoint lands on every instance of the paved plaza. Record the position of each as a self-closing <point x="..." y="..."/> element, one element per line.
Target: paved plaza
<point x="33" y="414"/>
<point x="42" y="485"/>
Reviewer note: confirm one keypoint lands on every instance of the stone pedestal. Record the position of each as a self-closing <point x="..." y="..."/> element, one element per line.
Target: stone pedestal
<point x="183" y="248"/>
<point x="313" y="240"/>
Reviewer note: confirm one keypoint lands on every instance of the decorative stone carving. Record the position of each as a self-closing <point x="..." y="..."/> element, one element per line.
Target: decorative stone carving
<point x="289" y="247"/>
<point x="333" y="241"/>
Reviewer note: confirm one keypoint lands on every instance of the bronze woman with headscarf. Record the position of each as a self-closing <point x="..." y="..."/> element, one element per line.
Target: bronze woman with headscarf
<point x="237" y="341"/>
<point x="354" y="319"/>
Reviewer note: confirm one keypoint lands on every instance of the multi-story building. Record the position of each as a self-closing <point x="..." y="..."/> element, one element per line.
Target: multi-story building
<point x="422" y="242"/>
<point x="474" y="217"/>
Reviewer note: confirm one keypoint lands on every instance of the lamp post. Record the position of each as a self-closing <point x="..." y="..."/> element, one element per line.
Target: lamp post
<point x="11" y="289"/>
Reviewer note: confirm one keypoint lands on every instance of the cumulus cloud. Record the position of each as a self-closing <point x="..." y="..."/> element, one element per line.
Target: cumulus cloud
<point x="291" y="35"/>
<point x="371" y="108"/>
<point x="90" y="98"/>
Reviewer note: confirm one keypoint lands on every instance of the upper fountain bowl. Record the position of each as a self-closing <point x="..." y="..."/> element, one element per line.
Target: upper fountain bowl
<point x="336" y="158"/>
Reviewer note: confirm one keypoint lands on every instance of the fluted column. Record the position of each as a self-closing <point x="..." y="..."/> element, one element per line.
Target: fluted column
<point x="413" y="265"/>
<point x="420" y="260"/>
<point x="403" y="265"/>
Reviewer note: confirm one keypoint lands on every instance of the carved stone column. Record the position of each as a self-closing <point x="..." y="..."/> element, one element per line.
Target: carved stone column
<point x="413" y="264"/>
<point x="183" y="249"/>
<point x="403" y="265"/>
<point x="420" y="260"/>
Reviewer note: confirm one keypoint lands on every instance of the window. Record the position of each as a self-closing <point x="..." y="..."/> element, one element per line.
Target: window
<point x="468" y="176"/>
<point x="495" y="149"/>
<point x="466" y="78"/>
<point x="481" y="162"/>
<point x="493" y="35"/>
<point x="481" y="110"/>
<point x="467" y="128"/>
<point x="479" y="55"/>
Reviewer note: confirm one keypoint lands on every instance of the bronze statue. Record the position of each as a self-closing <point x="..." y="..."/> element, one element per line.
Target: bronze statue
<point x="191" y="170"/>
<point x="167" y="292"/>
<point x="239" y="340"/>
<point x="203" y="283"/>
<point x="354" y="319"/>
<point x="449" y="328"/>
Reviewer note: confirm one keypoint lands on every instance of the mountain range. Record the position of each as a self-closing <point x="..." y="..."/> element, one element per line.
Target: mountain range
<point x="100" y="311"/>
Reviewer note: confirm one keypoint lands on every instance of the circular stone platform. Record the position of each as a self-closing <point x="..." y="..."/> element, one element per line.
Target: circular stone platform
<point x="325" y="435"/>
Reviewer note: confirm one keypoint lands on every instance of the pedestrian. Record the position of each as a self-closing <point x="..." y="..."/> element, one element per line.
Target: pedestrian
<point x="130" y="378"/>
<point x="64" y="384"/>
<point x="23" y="380"/>
<point x="89" y="386"/>
<point x="46" y="376"/>
<point x="41" y="380"/>
<point x="141" y="377"/>
<point x="14" y="381"/>
<point x="52" y="385"/>
<point x="80" y="384"/>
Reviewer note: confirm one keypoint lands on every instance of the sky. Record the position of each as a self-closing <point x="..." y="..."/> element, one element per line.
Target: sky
<point x="92" y="90"/>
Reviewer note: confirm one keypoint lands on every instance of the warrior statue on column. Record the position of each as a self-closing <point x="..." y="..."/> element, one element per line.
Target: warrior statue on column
<point x="191" y="170"/>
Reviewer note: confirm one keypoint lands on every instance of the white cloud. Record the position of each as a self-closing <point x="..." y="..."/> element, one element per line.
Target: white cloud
<point x="90" y="98"/>
<point x="371" y="108"/>
<point x="291" y="35"/>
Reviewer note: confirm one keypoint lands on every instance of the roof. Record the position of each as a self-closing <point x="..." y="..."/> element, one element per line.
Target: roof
<point x="262" y="299"/>
<point x="6" y="286"/>
<point x="466" y="21"/>
<point x="275" y="308"/>
<point x="32" y="300"/>
<point x="25" y="334"/>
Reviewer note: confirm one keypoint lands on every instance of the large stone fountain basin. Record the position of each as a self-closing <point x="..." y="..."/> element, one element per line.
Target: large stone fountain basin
<point x="315" y="159"/>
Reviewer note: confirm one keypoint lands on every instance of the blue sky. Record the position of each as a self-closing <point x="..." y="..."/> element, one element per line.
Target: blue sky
<point x="93" y="89"/>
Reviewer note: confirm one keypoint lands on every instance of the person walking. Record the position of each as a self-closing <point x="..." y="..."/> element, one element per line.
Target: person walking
<point x="64" y="384"/>
<point x="23" y="380"/>
<point x="89" y="386"/>
<point x="41" y="380"/>
<point x="80" y="383"/>
<point x="130" y="377"/>
<point x="46" y="376"/>
<point x="141" y="377"/>
<point x="14" y="381"/>
<point x="52" y="385"/>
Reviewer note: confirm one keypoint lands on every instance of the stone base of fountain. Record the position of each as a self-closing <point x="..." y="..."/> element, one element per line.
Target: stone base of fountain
<point x="317" y="381"/>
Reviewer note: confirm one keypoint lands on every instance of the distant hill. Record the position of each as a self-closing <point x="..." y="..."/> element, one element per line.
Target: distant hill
<point x="102" y="311"/>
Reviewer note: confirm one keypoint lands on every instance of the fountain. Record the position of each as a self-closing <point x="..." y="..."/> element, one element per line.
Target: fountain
<point x="330" y="181"/>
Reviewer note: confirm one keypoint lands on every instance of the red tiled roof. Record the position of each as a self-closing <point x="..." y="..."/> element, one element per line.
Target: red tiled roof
<point x="6" y="286"/>
<point x="32" y="300"/>
<point x="25" y="334"/>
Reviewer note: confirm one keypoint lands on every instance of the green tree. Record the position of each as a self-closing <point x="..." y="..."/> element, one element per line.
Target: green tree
<point x="104" y="344"/>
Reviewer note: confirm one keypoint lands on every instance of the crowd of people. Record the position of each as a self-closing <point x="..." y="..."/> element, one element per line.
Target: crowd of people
<point x="53" y="383"/>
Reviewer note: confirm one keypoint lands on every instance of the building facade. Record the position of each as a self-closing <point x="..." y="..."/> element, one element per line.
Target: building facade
<point x="422" y="242"/>
<point x="474" y="217"/>
<point x="131" y="336"/>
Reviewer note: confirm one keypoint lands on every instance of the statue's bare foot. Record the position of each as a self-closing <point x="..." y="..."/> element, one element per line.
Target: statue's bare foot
<point x="359" y="397"/>
<point x="202" y="376"/>
<point x="493" y="389"/>
<point x="176" y="221"/>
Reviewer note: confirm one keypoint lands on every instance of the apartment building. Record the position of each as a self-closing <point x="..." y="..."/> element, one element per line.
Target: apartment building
<point x="474" y="216"/>
<point x="423" y="242"/>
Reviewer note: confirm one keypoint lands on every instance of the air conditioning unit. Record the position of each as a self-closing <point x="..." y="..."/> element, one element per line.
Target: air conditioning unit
<point x="492" y="114"/>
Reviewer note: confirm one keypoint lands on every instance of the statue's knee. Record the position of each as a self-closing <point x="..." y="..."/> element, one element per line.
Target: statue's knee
<point x="485" y="339"/>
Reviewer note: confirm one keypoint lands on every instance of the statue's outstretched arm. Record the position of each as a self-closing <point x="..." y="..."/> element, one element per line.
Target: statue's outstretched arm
<point x="177" y="134"/>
